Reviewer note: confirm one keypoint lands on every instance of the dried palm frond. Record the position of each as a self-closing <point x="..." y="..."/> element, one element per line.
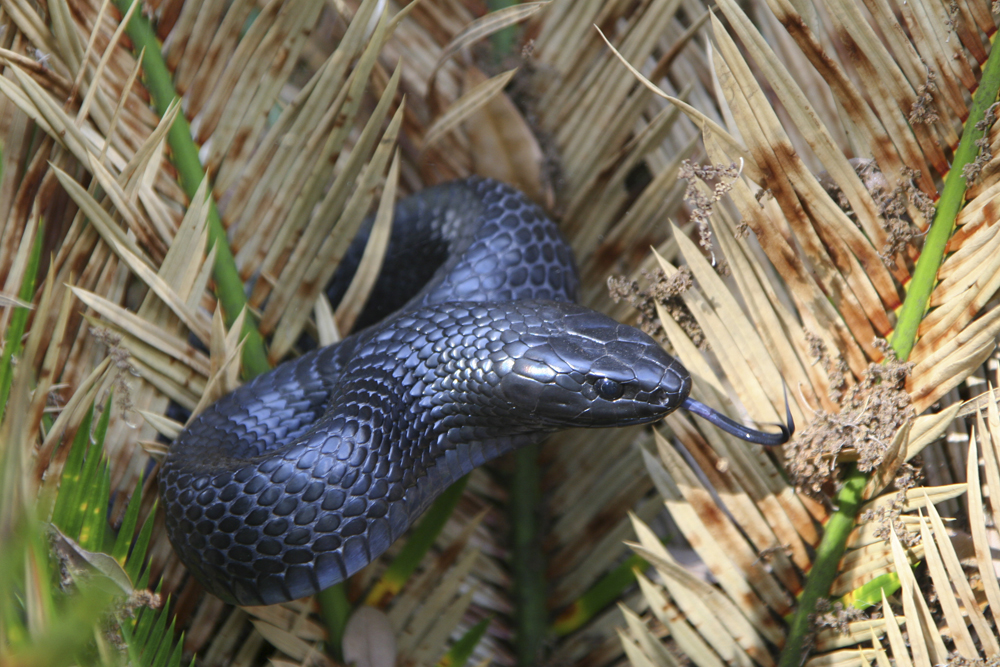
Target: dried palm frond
<point x="829" y="240"/>
<point x="299" y="115"/>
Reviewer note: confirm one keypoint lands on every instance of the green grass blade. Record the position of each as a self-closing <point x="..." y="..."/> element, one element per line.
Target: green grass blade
<point x="162" y="652"/>
<point x="102" y="424"/>
<point x="133" y="566"/>
<point x="70" y="489"/>
<point x="150" y="632"/>
<point x="143" y="582"/>
<point x="12" y="616"/>
<point x="156" y="634"/>
<point x="128" y="636"/>
<point x="175" y="657"/>
<point x="870" y="594"/>
<point x="92" y="466"/>
<point x="127" y="530"/>
<point x="19" y="319"/>
<point x="602" y="594"/>
<point x="141" y="628"/>
<point x="95" y="521"/>
<point x="38" y="624"/>
<point x="461" y="651"/>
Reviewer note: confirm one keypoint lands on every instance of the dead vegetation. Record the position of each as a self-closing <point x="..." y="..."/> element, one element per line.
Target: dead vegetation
<point x="307" y="115"/>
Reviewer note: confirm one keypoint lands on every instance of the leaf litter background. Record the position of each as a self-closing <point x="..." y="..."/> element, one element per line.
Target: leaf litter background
<point x="310" y="114"/>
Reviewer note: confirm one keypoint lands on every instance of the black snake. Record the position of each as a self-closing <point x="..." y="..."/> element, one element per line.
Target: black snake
<point x="307" y="473"/>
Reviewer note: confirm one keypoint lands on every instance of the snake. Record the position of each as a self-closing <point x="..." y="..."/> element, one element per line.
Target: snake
<point x="471" y="346"/>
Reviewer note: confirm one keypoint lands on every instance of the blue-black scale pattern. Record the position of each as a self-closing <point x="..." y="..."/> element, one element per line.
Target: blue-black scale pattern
<point x="306" y="474"/>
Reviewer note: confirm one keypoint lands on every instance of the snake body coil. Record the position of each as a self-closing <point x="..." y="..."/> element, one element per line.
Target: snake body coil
<point x="306" y="474"/>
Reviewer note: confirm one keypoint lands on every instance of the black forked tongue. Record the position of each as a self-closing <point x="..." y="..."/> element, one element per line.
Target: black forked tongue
<point x="741" y="431"/>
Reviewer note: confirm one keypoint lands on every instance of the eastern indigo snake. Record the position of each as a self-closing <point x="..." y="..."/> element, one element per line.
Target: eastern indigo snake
<point x="304" y="475"/>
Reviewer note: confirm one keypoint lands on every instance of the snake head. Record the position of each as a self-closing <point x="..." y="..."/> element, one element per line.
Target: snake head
<point x="581" y="368"/>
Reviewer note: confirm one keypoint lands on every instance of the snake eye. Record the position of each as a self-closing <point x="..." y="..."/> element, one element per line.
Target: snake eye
<point x="608" y="389"/>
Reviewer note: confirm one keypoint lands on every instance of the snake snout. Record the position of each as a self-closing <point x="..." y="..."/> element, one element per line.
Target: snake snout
<point x="658" y="386"/>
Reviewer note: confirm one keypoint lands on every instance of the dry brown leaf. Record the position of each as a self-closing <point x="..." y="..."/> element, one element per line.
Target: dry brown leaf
<point x="364" y="279"/>
<point x="504" y="147"/>
<point x="480" y="29"/>
<point x="464" y="107"/>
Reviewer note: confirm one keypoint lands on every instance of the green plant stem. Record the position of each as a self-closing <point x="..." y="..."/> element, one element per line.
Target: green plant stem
<point x="335" y="609"/>
<point x="824" y="569"/>
<point x="918" y="293"/>
<point x="504" y="41"/>
<point x="527" y="560"/>
<point x="184" y="155"/>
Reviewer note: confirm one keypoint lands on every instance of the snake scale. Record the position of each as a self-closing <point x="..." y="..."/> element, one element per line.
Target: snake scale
<point x="305" y="474"/>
